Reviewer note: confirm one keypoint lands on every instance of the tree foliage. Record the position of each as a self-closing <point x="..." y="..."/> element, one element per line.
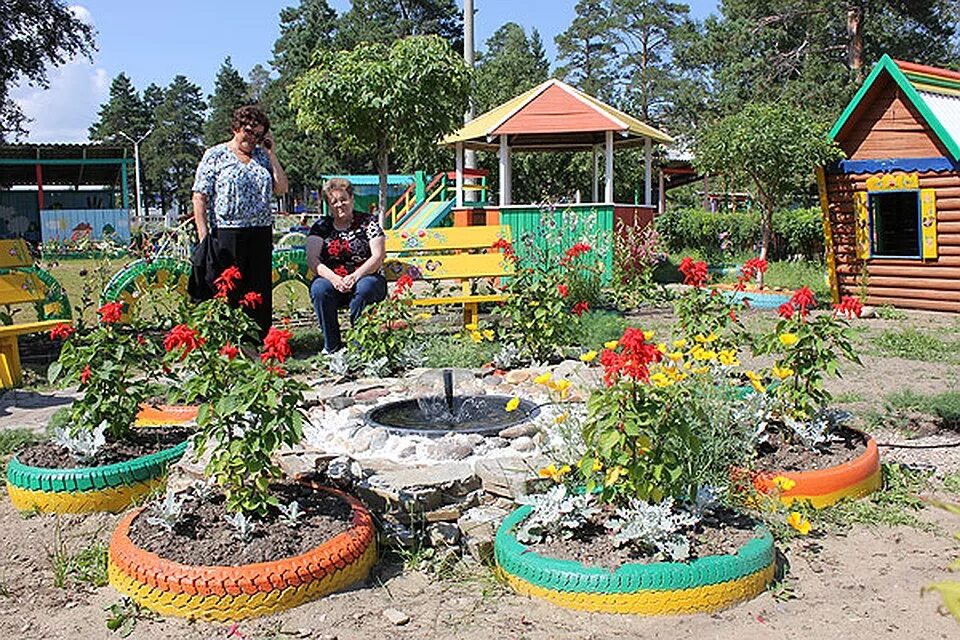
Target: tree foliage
<point x="124" y="111"/>
<point x="376" y="99"/>
<point x="35" y="35"/>
<point x="386" y="21"/>
<point x="229" y="93"/>
<point x="587" y="50"/>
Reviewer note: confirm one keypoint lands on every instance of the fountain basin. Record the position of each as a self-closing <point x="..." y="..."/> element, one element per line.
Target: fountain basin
<point x="433" y="417"/>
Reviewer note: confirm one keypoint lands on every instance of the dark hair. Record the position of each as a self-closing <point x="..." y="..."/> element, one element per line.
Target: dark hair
<point x="249" y="115"/>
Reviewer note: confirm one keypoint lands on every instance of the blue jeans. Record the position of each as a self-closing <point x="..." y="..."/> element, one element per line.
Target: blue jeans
<point x="327" y="301"/>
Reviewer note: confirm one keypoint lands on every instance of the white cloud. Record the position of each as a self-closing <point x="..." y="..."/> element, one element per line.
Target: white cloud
<point x="64" y="111"/>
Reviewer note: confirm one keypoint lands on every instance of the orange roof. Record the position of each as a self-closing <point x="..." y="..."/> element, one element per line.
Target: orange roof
<point x="557" y="111"/>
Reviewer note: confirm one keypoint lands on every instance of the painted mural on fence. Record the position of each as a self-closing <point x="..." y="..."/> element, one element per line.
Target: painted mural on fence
<point x="74" y="225"/>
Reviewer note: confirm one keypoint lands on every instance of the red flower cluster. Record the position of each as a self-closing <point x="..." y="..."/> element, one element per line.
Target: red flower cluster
<point x="750" y="269"/>
<point x="580" y="308"/>
<point x="338" y="247"/>
<point x="403" y="285"/>
<point x="182" y="337"/>
<point x="276" y="345"/>
<point x="786" y="310"/>
<point x="801" y="302"/>
<point x="694" y="273"/>
<point x="574" y="252"/>
<point x="85" y="375"/>
<point x="229" y="351"/>
<point x="849" y="306"/>
<point x="62" y="331"/>
<point x="633" y="359"/>
<point x="110" y="313"/>
<point x="507" y="248"/>
<point x="563" y="290"/>
<point x="251" y="299"/>
<point x="227" y="281"/>
<point x="341" y="271"/>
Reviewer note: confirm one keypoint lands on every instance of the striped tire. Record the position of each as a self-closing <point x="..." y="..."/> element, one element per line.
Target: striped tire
<point x="56" y="304"/>
<point x="704" y="584"/>
<point x="233" y="593"/>
<point x="110" y="487"/>
<point x="854" y="479"/>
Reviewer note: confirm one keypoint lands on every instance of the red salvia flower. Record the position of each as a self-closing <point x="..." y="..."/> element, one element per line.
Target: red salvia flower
<point x="229" y="351"/>
<point x="694" y="273"/>
<point x="786" y="310"/>
<point x="849" y="306"/>
<point x="251" y="299"/>
<point x="227" y="281"/>
<point x="110" y="313"/>
<point x="85" y="375"/>
<point x="182" y="337"/>
<point x="575" y="251"/>
<point x="62" y="331"/>
<point x="276" y="345"/>
<point x="580" y="308"/>
<point x="632" y="361"/>
<point x="403" y="285"/>
<point x="563" y="290"/>
<point x="803" y="301"/>
<point x="507" y="248"/>
<point x="752" y="267"/>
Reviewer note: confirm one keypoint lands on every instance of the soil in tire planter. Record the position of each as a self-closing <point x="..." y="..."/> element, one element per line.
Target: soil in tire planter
<point x="144" y="441"/>
<point x="781" y="455"/>
<point x="719" y="533"/>
<point x="202" y="537"/>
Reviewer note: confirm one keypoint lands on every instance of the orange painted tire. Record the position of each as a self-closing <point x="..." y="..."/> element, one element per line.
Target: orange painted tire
<point x="232" y="593"/>
<point x="166" y="415"/>
<point x="854" y="479"/>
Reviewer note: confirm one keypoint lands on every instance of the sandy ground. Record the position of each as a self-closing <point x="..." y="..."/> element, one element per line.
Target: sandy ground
<point x="862" y="584"/>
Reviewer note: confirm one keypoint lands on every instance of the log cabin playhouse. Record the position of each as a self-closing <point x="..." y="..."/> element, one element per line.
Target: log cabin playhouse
<point x="892" y="208"/>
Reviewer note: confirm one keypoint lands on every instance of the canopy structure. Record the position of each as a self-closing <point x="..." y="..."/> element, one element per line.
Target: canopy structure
<point x="554" y="116"/>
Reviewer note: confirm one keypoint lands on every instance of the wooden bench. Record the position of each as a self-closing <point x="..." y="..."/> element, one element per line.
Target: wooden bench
<point x="18" y="286"/>
<point x="463" y="254"/>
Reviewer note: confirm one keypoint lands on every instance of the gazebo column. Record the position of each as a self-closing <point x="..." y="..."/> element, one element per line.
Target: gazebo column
<point x="647" y="175"/>
<point x="459" y="154"/>
<point x="596" y="174"/>
<point x="505" y="177"/>
<point x="608" y="177"/>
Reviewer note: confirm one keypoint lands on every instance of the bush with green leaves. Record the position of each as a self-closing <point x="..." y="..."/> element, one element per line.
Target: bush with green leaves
<point x="384" y="330"/>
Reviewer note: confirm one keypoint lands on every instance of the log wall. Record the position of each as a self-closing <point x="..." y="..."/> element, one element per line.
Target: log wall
<point x="916" y="284"/>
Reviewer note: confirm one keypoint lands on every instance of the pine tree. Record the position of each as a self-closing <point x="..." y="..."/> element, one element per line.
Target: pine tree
<point x="124" y="111"/>
<point x="257" y="81"/>
<point x="230" y="92"/>
<point x="386" y="21"/>
<point x="511" y="64"/>
<point x="586" y="48"/>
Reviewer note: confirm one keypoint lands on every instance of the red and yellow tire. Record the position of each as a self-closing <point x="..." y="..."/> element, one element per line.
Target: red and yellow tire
<point x="854" y="479"/>
<point x="233" y="593"/>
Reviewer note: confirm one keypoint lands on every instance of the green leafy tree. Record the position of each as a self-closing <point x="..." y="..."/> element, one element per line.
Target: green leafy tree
<point x="174" y="147"/>
<point x="155" y="190"/>
<point x="124" y="111"/>
<point x="304" y="29"/>
<point x="587" y="50"/>
<point x="404" y="96"/>
<point x="230" y="92"/>
<point x="773" y="148"/>
<point x="35" y="35"/>
<point x="257" y="82"/>
<point x="386" y="21"/>
<point x="512" y="64"/>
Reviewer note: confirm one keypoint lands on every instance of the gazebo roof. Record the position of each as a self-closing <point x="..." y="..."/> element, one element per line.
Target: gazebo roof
<point x="62" y="164"/>
<point x="553" y="115"/>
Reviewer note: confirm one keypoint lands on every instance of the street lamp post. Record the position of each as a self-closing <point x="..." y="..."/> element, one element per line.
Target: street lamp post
<point x="136" y="167"/>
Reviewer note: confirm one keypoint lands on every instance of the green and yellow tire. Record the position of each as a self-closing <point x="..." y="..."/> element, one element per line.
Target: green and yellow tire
<point x="290" y="265"/>
<point x="55" y="304"/>
<point x="234" y="593"/>
<point x="110" y="487"/>
<point x="141" y="276"/>
<point x="704" y="584"/>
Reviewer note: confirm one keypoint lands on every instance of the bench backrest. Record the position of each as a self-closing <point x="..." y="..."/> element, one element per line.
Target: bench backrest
<point x="447" y="253"/>
<point x="18" y="286"/>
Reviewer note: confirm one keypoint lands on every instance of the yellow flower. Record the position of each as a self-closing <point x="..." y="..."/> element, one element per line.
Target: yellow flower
<point x="679" y="344"/>
<point x="662" y="347"/>
<point x="798" y="522"/>
<point x="788" y="339"/>
<point x="728" y="357"/>
<point x="563" y="386"/>
<point x="781" y="372"/>
<point x="660" y="379"/>
<point x="648" y="335"/>
<point x="699" y="353"/>
<point x="471" y="327"/>
<point x="423" y="316"/>
<point x="551" y="471"/>
<point x="612" y="344"/>
<point x="543" y="378"/>
<point x="512" y="404"/>
<point x="675" y="356"/>
<point x="476" y="336"/>
<point x="755" y="381"/>
<point x="706" y="339"/>
<point x="784" y="483"/>
<point x="597" y="466"/>
<point x="560" y="419"/>
<point x="613" y="475"/>
<point x="701" y="370"/>
<point x="488" y="334"/>
<point x="589" y="356"/>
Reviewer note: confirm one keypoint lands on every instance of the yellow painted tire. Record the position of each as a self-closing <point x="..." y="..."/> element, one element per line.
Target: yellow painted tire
<point x="233" y="593"/>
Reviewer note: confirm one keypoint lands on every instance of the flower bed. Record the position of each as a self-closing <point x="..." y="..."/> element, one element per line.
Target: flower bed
<point x="705" y="584"/>
<point x="232" y="593"/>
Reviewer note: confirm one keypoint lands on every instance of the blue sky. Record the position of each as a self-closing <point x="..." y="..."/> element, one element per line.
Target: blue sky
<point x="154" y="41"/>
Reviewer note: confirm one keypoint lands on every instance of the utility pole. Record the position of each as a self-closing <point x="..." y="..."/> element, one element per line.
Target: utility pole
<point x="136" y="167"/>
<point x="469" y="156"/>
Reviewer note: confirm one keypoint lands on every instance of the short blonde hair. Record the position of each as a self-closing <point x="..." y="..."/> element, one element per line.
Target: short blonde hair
<point x="337" y="184"/>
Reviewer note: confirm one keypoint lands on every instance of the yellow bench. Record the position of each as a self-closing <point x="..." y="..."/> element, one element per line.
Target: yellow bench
<point x="464" y="254"/>
<point x="18" y="287"/>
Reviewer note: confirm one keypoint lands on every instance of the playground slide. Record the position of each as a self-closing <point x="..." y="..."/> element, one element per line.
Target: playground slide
<point x="427" y="215"/>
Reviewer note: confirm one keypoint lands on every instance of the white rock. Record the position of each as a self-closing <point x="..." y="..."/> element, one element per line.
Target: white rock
<point x="396" y="616"/>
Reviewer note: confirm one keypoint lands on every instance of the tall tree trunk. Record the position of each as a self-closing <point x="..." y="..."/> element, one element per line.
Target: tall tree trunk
<point x="383" y="168"/>
<point x="855" y="40"/>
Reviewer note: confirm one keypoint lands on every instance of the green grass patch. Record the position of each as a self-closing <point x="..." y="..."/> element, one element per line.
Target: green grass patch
<point x="913" y="345"/>
<point x="12" y="440"/>
<point x="951" y="482"/>
<point x="85" y="566"/>
<point x="894" y="504"/>
<point x="596" y="327"/>
<point x="793" y="274"/>
<point x="457" y="351"/>
<point x="945" y="406"/>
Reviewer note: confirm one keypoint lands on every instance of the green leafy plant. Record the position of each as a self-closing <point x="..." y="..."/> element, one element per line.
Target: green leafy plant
<point x="556" y="513"/>
<point x="113" y="365"/>
<point x="88" y="565"/>
<point x="250" y="407"/>
<point x="912" y="344"/>
<point x="384" y="330"/>
<point x="122" y="616"/>
<point x="704" y="311"/>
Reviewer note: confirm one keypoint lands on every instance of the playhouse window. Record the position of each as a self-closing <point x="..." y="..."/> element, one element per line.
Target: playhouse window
<point x="895" y="228"/>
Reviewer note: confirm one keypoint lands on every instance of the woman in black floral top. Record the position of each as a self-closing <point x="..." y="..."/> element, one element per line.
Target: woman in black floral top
<point x="346" y="252"/>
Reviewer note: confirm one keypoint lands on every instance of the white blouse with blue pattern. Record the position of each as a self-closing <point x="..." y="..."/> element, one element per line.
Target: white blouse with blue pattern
<point x="238" y="194"/>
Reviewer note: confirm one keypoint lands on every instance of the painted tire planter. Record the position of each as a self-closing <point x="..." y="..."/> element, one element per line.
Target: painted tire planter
<point x="704" y="584"/>
<point x="757" y="299"/>
<point x="233" y="593"/>
<point x="166" y="415"/>
<point x="109" y="487"/>
<point x="854" y="479"/>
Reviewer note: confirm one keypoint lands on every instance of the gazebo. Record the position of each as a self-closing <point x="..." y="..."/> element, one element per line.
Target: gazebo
<point x="554" y="116"/>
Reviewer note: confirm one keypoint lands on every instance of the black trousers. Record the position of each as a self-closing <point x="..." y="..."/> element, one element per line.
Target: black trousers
<point x="250" y="249"/>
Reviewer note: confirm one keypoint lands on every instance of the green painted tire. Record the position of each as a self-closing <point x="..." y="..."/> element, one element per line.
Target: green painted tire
<point x="140" y="276"/>
<point x="290" y="265"/>
<point x="704" y="584"/>
<point x="56" y="305"/>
